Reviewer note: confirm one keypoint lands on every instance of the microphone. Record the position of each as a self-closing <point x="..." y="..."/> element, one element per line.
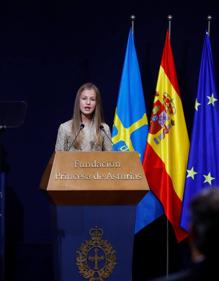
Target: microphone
<point x="81" y="128"/>
<point x="105" y="133"/>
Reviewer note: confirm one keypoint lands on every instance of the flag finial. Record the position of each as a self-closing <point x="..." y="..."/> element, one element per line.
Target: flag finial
<point x="169" y="17"/>
<point x="132" y="17"/>
<point x="209" y="18"/>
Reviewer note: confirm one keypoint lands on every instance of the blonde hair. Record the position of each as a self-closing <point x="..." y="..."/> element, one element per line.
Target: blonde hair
<point x="97" y="117"/>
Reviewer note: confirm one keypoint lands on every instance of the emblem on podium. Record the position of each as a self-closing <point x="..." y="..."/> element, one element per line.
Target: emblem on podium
<point x="96" y="257"/>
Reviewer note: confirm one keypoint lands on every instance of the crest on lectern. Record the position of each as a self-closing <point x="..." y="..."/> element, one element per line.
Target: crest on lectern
<point x="96" y="257"/>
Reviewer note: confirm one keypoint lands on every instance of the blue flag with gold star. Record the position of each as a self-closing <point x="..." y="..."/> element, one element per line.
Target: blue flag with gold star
<point x="203" y="163"/>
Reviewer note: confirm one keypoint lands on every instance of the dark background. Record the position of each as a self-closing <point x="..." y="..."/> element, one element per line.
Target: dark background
<point x="47" y="50"/>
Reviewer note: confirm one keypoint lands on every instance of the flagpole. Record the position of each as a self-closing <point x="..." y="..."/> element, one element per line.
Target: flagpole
<point x="133" y="22"/>
<point x="209" y="18"/>
<point x="169" y="17"/>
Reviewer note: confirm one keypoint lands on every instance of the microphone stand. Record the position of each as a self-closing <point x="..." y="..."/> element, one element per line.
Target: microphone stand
<point x="81" y="128"/>
<point x="105" y="133"/>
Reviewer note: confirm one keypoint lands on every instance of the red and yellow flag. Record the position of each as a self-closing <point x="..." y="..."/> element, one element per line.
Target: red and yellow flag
<point x="167" y="148"/>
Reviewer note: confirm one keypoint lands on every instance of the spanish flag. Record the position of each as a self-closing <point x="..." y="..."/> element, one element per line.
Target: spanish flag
<point x="166" y="154"/>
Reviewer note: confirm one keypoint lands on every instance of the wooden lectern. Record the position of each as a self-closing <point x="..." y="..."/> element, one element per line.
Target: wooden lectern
<point x="93" y="197"/>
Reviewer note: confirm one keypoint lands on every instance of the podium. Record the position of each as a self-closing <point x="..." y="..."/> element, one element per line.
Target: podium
<point x="93" y="197"/>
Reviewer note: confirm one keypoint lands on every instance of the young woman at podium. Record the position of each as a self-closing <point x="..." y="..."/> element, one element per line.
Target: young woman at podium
<point x="86" y="131"/>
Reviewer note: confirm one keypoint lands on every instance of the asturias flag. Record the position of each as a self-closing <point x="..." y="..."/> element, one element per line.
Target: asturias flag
<point x="130" y="127"/>
<point x="203" y="164"/>
<point x="167" y="148"/>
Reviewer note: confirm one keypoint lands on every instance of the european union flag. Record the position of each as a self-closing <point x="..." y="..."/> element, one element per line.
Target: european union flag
<point x="203" y="163"/>
<point x="130" y="127"/>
